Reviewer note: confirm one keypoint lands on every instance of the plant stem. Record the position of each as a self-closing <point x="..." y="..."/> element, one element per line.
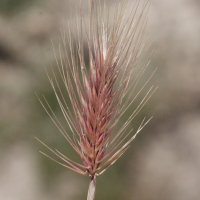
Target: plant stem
<point x="91" y="190"/>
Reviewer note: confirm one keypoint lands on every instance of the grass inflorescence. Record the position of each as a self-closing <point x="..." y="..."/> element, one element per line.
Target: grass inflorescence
<point x="102" y="92"/>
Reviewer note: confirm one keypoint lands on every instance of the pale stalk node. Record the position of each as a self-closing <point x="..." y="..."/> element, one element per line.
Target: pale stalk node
<point x="92" y="189"/>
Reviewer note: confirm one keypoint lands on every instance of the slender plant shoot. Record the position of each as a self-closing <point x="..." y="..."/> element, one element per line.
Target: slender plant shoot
<point x="101" y="90"/>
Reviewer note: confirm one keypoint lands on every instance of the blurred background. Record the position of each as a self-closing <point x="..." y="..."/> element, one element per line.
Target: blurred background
<point x="164" y="160"/>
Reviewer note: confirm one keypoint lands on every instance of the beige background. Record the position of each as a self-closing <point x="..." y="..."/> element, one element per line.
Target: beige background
<point x="163" y="162"/>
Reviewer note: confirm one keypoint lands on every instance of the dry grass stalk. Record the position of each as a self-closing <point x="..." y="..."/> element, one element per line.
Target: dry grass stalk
<point x="114" y="51"/>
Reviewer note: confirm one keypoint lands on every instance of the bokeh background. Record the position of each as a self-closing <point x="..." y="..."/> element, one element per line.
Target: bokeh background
<point x="163" y="162"/>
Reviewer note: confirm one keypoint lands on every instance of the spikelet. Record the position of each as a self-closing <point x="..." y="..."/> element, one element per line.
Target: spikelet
<point x="114" y="51"/>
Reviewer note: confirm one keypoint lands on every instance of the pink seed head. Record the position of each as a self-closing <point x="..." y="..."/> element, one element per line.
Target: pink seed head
<point x="96" y="100"/>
